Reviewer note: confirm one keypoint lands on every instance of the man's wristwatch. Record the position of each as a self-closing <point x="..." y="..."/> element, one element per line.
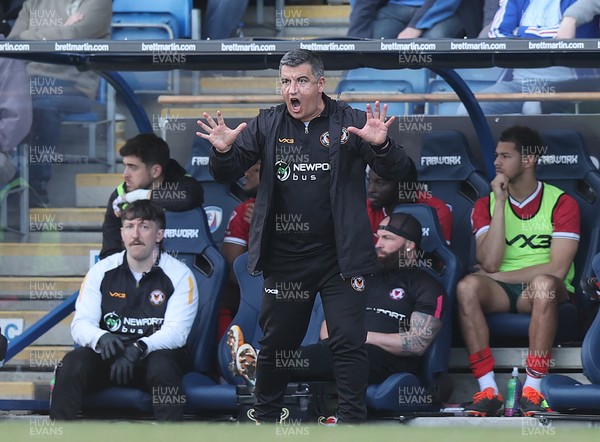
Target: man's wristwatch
<point x="141" y="346"/>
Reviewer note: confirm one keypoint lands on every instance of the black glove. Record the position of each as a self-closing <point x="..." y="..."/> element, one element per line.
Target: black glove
<point x="121" y="370"/>
<point x="111" y="345"/>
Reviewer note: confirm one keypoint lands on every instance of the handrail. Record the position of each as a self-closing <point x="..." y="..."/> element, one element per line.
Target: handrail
<point x="440" y="97"/>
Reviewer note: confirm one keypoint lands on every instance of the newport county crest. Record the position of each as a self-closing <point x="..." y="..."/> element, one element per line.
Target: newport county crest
<point x="358" y="283"/>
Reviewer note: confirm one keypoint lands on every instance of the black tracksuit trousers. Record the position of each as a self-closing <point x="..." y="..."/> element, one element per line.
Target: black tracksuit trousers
<point x="82" y="371"/>
<point x="288" y="297"/>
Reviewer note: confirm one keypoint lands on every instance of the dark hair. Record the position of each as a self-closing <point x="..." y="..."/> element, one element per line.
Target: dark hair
<point x="405" y="225"/>
<point x="528" y="141"/>
<point x="296" y="57"/>
<point x="149" y="148"/>
<point x="146" y="210"/>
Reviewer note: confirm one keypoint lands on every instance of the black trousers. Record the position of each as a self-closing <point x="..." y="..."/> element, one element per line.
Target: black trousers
<point x="288" y="297"/>
<point x="82" y="371"/>
<point x="317" y="363"/>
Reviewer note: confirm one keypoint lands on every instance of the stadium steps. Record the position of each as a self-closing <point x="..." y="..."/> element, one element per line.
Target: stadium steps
<point x="45" y="259"/>
<point x="66" y="225"/>
<point x="93" y="189"/>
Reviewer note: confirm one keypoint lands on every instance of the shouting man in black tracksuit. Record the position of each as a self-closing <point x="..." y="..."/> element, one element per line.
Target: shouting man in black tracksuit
<point x="149" y="174"/>
<point x="309" y="228"/>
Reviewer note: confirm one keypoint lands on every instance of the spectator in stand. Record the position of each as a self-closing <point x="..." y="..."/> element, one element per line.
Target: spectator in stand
<point x="9" y="10"/>
<point x="383" y="196"/>
<point x="418" y="18"/>
<point x="237" y="237"/>
<point x="362" y="17"/>
<point x="222" y="18"/>
<point x="579" y="13"/>
<point x="530" y="19"/>
<point x="15" y="112"/>
<point x="56" y="89"/>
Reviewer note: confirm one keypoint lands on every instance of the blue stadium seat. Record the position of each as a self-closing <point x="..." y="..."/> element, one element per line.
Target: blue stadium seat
<point x="565" y="163"/>
<point x="102" y="112"/>
<point x="173" y="16"/>
<point x="447" y="166"/>
<point x="445" y="268"/>
<point x="476" y="79"/>
<point x="251" y="290"/>
<point x="210" y="270"/>
<point x="153" y="20"/>
<point x="219" y="201"/>
<point x="567" y="395"/>
<point x="369" y="80"/>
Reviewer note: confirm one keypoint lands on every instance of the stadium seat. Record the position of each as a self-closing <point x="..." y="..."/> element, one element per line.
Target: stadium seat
<point x="19" y="185"/>
<point x="565" y="163"/>
<point x="476" y="79"/>
<point x="102" y="113"/>
<point x="251" y="291"/>
<point x="368" y="80"/>
<point x="196" y="249"/>
<point x="219" y="201"/>
<point x="431" y="387"/>
<point x="173" y="16"/>
<point x="153" y="20"/>
<point x="567" y="395"/>
<point x="449" y="170"/>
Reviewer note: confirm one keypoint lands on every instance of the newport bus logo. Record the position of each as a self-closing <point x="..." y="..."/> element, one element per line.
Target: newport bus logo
<point x="291" y="17"/>
<point x="214" y="216"/>
<point x="112" y="321"/>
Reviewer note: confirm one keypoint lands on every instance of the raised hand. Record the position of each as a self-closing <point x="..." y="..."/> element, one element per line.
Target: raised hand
<point x="376" y="128"/>
<point x="217" y="133"/>
<point x="500" y="187"/>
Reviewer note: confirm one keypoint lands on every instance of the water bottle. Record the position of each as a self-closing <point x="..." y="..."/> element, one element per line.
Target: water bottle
<point x="513" y="394"/>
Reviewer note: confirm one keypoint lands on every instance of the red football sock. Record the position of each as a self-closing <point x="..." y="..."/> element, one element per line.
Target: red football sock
<point x="538" y="366"/>
<point x="481" y="362"/>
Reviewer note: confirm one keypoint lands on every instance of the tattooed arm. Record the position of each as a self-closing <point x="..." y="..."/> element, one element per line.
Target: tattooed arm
<point x="423" y="329"/>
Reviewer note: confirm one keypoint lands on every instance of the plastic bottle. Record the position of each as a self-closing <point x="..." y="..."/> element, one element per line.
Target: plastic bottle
<point x="513" y="394"/>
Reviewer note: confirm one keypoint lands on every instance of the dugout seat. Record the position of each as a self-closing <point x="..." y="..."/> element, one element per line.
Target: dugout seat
<point x="153" y="20"/>
<point x="450" y="171"/>
<point x="433" y="383"/>
<point x="567" y="395"/>
<point x="219" y="199"/>
<point x="372" y="81"/>
<point x="197" y="250"/>
<point x="565" y="163"/>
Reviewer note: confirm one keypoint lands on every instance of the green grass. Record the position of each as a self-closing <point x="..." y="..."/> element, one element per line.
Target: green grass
<point x="37" y="429"/>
